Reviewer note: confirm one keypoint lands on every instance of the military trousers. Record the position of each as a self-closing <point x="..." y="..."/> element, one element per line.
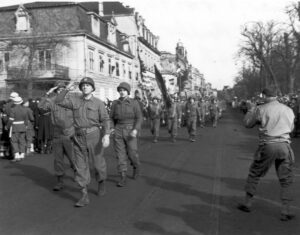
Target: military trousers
<point x="155" y="126"/>
<point x="126" y="147"/>
<point x="18" y="142"/>
<point x="62" y="146"/>
<point x="282" y="155"/>
<point x="202" y="118"/>
<point x="173" y="126"/>
<point x="192" y="126"/>
<point x="88" y="153"/>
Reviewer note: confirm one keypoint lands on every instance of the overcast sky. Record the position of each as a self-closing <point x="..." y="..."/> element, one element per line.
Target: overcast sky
<point x="209" y="29"/>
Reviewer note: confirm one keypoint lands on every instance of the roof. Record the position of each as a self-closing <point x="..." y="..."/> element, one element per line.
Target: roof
<point x="144" y="41"/>
<point x="55" y="20"/>
<point x="116" y="8"/>
<point x="33" y="5"/>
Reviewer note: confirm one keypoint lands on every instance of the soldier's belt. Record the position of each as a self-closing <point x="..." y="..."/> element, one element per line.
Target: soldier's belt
<point x="18" y="122"/>
<point x="124" y="126"/>
<point x="86" y="131"/>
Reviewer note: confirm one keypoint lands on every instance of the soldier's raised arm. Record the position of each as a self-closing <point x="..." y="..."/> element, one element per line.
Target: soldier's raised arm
<point x="60" y="98"/>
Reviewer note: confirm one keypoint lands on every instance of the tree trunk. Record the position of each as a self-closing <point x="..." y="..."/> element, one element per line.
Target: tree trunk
<point x="291" y="82"/>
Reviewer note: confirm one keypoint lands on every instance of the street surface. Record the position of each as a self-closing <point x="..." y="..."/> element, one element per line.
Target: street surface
<point x="185" y="189"/>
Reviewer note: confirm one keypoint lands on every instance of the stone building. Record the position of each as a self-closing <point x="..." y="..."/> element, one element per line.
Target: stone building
<point x="142" y="41"/>
<point x="180" y="76"/>
<point x="42" y="42"/>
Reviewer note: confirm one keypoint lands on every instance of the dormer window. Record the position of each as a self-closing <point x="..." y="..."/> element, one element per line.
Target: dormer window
<point x="95" y="25"/>
<point x="112" y="33"/>
<point x="22" y="19"/>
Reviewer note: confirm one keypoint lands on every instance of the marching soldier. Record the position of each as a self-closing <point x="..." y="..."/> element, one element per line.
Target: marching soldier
<point x="191" y="113"/>
<point x="202" y="111"/>
<point x="17" y="125"/>
<point x="174" y="118"/>
<point x="91" y="120"/>
<point x="63" y="130"/>
<point x="30" y="128"/>
<point x="214" y="111"/>
<point x="126" y="116"/>
<point x="155" y="114"/>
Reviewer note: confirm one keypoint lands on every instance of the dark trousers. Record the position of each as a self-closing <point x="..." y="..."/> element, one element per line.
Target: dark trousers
<point x="173" y="126"/>
<point x="282" y="155"/>
<point x="18" y="142"/>
<point x="125" y="147"/>
<point x="62" y="146"/>
<point x="191" y="124"/>
<point x="88" y="151"/>
<point x="155" y="126"/>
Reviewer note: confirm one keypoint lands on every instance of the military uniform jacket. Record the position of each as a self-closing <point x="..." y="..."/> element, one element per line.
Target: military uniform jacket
<point x="191" y="110"/>
<point x="61" y="117"/>
<point x="155" y="111"/>
<point x="174" y="111"/>
<point x="126" y="111"/>
<point x="86" y="113"/>
<point x="18" y="118"/>
<point x="202" y="107"/>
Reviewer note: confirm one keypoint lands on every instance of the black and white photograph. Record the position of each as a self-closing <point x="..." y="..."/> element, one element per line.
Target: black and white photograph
<point x="150" y="117"/>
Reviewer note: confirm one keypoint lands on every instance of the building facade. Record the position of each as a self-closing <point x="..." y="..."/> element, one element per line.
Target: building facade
<point x="44" y="42"/>
<point x="142" y="41"/>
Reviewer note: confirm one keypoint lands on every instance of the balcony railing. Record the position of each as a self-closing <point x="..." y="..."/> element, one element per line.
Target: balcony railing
<point x="38" y="72"/>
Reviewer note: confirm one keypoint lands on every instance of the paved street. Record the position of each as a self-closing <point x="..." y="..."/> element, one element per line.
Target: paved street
<point x="186" y="189"/>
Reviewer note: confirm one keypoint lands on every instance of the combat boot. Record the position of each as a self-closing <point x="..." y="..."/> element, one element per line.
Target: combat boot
<point x="60" y="184"/>
<point x="136" y="172"/>
<point x="285" y="212"/>
<point x="122" y="182"/>
<point x="84" y="200"/>
<point x="101" y="188"/>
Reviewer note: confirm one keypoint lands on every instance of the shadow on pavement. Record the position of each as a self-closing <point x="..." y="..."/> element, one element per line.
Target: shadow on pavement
<point x="42" y="178"/>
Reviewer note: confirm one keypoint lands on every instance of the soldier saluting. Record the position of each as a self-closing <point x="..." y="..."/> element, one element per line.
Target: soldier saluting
<point x="90" y="121"/>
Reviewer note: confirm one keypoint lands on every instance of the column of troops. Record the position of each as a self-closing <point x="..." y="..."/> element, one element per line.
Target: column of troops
<point x="80" y="126"/>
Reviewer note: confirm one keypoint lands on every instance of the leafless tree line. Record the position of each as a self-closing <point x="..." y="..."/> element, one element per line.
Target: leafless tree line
<point x="270" y="54"/>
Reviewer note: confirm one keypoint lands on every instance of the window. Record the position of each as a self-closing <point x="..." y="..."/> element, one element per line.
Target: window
<point x="124" y="71"/>
<point x="91" y="59"/>
<point x="129" y="72"/>
<point x="101" y="63"/>
<point x="117" y="69"/>
<point x="1" y="65"/>
<point x="22" y="19"/>
<point x="44" y="59"/>
<point x="109" y="67"/>
<point x="112" y="34"/>
<point x="137" y="76"/>
<point x="6" y="58"/>
<point x="95" y="26"/>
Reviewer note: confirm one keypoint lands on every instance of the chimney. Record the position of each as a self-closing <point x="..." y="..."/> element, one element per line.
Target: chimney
<point x="101" y="13"/>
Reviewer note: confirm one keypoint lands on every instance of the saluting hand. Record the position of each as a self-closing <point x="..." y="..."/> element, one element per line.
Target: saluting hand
<point x="71" y="86"/>
<point x="51" y="90"/>
<point x="105" y="141"/>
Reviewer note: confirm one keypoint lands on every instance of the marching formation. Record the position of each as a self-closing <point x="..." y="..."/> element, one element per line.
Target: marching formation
<point x="82" y="126"/>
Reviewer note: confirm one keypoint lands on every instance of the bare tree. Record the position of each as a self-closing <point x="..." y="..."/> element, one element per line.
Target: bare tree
<point x="25" y="50"/>
<point x="258" y="46"/>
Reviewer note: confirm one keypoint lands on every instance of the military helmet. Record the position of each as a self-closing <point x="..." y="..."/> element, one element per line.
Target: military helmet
<point x="125" y="86"/>
<point x="87" y="80"/>
<point x="155" y="98"/>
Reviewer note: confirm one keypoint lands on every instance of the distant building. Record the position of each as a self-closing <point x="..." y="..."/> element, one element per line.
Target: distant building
<point x="179" y="75"/>
<point x="142" y="41"/>
<point x="43" y="42"/>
